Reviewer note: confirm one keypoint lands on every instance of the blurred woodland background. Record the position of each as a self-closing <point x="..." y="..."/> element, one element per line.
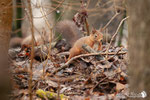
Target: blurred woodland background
<point x="99" y="13"/>
<point x="32" y="24"/>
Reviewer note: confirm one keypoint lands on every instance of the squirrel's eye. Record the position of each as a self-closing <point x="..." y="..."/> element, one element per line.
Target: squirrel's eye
<point x="95" y="36"/>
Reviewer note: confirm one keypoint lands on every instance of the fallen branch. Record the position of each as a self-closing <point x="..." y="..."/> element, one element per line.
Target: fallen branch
<point x="84" y="55"/>
<point x="88" y="48"/>
<point x="111" y="56"/>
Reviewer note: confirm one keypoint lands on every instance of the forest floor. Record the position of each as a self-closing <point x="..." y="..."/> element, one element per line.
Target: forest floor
<point x="94" y="76"/>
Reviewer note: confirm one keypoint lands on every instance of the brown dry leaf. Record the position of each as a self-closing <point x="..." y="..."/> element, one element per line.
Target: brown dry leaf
<point x="119" y="86"/>
<point x="87" y="98"/>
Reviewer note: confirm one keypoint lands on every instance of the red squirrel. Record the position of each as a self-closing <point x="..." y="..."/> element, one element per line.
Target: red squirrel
<point x="94" y="37"/>
<point x="72" y="35"/>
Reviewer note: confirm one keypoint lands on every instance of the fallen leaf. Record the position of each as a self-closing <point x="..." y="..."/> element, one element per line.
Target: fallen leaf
<point x="119" y="86"/>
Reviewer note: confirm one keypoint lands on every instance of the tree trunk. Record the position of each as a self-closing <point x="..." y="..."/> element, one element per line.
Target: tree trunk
<point x="5" y="29"/>
<point x="139" y="45"/>
<point x="40" y="26"/>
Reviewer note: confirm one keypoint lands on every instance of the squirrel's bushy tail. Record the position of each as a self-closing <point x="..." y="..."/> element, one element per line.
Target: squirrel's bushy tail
<point x="69" y="31"/>
<point x="15" y="42"/>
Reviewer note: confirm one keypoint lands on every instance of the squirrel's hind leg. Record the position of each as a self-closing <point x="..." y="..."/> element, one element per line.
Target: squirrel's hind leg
<point x="73" y="52"/>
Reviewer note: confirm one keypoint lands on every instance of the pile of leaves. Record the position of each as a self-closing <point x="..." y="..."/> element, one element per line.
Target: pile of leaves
<point x="93" y="76"/>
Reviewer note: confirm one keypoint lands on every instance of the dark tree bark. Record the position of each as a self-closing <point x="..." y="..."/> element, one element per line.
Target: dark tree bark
<point x="139" y="45"/>
<point x="5" y="29"/>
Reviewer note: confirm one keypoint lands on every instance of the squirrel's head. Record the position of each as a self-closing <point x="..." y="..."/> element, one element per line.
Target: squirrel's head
<point x="96" y="35"/>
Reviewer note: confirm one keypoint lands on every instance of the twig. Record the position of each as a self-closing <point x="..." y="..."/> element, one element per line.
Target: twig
<point x="115" y="34"/>
<point x="88" y="3"/>
<point x="63" y="53"/>
<point x="66" y="3"/>
<point x="110" y="21"/>
<point x="91" y="90"/>
<point x="98" y="84"/>
<point x="83" y="55"/>
<point x="32" y="49"/>
<point x="114" y="4"/>
<point x="50" y="39"/>
<point x="110" y="57"/>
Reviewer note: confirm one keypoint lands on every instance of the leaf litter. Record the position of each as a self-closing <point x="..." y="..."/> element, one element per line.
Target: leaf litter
<point x="92" y="77"/>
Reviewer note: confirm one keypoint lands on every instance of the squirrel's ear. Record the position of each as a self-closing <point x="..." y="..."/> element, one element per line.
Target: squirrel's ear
<point x="101" y="29"/>
<point x="93" y="30"/>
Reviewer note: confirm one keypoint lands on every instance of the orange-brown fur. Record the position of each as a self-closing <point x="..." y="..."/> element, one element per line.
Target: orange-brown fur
<point x="95" y="36"/>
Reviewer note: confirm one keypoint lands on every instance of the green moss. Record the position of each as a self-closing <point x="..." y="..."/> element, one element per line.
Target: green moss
<point x="50" y="95"/>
